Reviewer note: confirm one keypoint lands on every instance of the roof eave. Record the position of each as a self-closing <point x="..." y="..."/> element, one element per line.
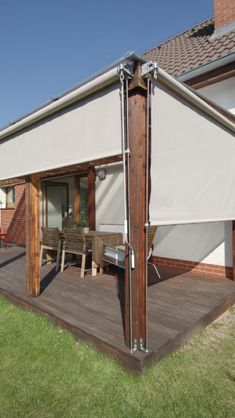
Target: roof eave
<point x="205" y="68"/>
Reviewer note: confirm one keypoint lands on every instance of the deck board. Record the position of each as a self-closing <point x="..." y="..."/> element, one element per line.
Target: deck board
<point x="92" y="308"/>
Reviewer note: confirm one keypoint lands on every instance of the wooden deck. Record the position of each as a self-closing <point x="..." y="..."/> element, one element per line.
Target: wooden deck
<point x="92" y="308"/>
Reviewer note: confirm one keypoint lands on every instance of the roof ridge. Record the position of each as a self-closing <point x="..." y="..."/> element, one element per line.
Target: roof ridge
<point x="176" y="36"/>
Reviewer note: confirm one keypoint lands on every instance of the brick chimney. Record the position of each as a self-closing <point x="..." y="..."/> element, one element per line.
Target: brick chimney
<point x="224" y="13"/>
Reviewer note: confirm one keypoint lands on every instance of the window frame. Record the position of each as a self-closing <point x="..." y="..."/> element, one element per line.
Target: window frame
<point x="6" y="191"/>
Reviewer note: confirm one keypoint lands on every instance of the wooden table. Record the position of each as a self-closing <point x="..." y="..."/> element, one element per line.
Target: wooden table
<point x="98" y="240"/>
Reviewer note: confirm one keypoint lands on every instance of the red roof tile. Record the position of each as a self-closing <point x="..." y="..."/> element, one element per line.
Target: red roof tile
<point x="192" y="48"/>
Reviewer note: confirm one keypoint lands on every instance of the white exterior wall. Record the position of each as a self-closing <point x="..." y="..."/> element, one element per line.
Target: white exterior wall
<point x="209" y="243"/>
<point x="109" y="199"/>
<point x="222" y="93"/>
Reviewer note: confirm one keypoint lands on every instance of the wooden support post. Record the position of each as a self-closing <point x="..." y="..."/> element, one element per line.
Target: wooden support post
<point x="137" y="117"/>
<point x="91" y="199"/>
<point x="233" y="248"/>
<point x="77" y="199"/>
<point x="32" y="236"/>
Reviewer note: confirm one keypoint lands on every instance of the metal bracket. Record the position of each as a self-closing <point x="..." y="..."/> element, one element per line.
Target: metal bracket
<point x="125" y="70"/>
<point x="132" y="255"/>
<point x="142" y="348"/>
<point x="135" y="347"/>
<point x="149" y="68"/>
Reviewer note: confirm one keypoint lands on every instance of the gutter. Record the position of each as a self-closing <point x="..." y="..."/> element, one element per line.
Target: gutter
<point x="202" y="69"/>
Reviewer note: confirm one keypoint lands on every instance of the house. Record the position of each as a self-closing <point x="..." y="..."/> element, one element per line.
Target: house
<point x="125" y="173"/>
<point x="131" y="147"/>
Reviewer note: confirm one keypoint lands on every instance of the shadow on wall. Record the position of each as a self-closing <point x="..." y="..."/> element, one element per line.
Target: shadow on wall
<point x="210" y="243"/>
<point x="16" y="228"/>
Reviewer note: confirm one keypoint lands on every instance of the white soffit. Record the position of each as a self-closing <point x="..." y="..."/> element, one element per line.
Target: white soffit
<point x="83" y="129"/>
<point x="192" y="166"/>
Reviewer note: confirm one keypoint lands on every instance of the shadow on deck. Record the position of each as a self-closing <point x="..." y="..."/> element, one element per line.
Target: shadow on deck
<point x="93" y="308"/>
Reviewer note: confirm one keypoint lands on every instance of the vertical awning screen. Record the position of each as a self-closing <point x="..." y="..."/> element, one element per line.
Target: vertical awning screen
<point x="192" y="163"/>
<point x="87" y="130"/>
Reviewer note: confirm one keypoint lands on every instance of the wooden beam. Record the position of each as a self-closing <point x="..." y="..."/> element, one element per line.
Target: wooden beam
<point x="74" y="169"/>
<point x="233" y="248"/>
<point x="11" y="182"/>
<point x="32" y="236"/>
<point x="91" y="198"/>
<point x="137" y="117"/>
<point x="213" y="76"/>
<point x="76" y="199"/>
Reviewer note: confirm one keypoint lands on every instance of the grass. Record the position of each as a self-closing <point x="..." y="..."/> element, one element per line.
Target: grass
<point x="45" y="372"/>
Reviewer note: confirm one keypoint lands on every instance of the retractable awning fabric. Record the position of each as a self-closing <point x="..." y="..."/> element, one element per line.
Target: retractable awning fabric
<point x="82" y="126"/>
<point x="192" y="161"/>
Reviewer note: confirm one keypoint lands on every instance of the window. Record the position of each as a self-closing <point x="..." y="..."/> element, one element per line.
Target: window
<point x="7" y="197"/>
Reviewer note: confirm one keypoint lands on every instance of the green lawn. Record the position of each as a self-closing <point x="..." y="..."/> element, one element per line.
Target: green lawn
<point x="44" y="372"/>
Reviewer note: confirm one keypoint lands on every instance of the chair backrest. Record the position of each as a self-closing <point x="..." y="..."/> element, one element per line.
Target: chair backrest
<point x="50" y="236"/>
<point x="151" y="234"/>
<point x="75" y="239"/>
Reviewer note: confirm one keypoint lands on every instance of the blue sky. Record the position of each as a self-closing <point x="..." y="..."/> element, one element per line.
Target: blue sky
<point x="48" y="46"/>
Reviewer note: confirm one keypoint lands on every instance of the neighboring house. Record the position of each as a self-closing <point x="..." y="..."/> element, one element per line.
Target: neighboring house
<point x="204" y="58"/>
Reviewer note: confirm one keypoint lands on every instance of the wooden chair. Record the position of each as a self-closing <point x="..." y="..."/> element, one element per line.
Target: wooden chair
<point x="115" y="255"/>
<point x="75" y="243"/>
<point x="51" y="240"/>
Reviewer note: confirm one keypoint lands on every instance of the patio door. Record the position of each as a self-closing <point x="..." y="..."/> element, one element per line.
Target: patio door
<point x="56" y="204"/>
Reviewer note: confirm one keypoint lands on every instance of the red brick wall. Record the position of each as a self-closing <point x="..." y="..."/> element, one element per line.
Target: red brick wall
<point x="224" y="12"/>
<point x="13" y="219"/>
<point x="185" y="265"/>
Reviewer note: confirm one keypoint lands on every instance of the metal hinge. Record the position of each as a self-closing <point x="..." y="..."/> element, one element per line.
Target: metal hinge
<point x="150" y="68"/>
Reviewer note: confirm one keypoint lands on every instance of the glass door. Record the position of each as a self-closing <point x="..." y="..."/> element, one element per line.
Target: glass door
<point x="56" y="205"/>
